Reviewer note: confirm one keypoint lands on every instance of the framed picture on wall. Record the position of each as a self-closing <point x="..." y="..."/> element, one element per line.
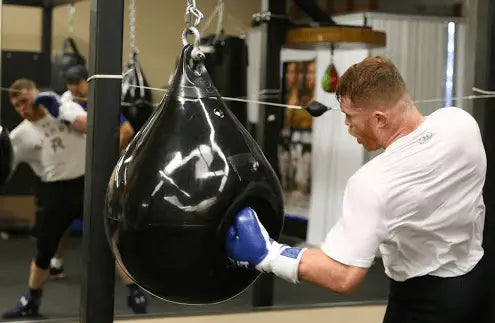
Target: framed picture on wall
<point x="298" y="88"/>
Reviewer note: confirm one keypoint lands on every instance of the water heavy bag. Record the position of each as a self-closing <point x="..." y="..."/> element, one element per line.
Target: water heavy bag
<point x="176" y="188"/>
<point x="6" y="155"/>
<point x="136" y="98"/>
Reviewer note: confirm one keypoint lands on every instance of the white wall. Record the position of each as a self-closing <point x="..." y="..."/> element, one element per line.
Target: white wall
<point x="336" y="155"/>
<point x="418" y="48"/>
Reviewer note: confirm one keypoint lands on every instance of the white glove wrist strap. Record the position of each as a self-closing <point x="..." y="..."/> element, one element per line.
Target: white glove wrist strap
<point x="283" y="261"/>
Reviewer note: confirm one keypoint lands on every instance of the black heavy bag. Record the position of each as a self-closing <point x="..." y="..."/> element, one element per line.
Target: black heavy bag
<point x="67" y="57"/>
<point x="176" y="188"/>
<point x="6" y="155"/>
<point x="136" y="100"/>
<point x="227" y="65"/>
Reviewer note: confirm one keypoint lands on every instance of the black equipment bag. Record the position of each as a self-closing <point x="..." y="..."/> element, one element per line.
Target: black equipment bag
<point x="136" y="100"/>
<point x="67" y="57"/>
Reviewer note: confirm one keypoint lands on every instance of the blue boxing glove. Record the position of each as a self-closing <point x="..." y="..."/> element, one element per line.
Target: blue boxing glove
<point x="249" y="245"/>
<point x="65" y="111"/>
<point x="50" y="100"/>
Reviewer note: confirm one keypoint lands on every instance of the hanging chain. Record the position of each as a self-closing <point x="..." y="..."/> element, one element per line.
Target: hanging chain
<point x="192" y="13"/>
<point x="193" y="17"/>
<point x="70" y="24"/>
<point x="132" y="29"/>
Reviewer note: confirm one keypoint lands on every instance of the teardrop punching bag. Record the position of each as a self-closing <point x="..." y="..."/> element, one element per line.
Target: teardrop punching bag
<point x="6" y="155"/>
<point x="136" y="100"/>
<point x="176" y="188"/>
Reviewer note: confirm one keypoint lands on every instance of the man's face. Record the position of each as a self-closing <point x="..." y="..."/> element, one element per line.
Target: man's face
<point x="23" y="104"/>
<point x="79" y="90"/>
<point x="310" y="76"/>
<point x="291" y="75"/>
<point x="360" y="125"/>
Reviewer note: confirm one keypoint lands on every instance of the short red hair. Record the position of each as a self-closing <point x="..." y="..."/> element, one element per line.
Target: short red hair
<point x="375" y="79"/>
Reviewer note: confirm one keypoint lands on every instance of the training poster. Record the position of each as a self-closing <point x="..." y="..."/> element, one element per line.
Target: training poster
<point x="298" y="88"/>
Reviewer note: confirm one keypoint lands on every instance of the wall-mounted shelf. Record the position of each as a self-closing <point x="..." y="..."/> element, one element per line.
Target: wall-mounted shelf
<point x="39" y="3"/>
<point x="339" y="36"/>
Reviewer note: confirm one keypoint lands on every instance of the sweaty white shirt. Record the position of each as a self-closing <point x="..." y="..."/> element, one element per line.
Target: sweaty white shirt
<point x="419" y="203"/>
<point x="50" y="147"/>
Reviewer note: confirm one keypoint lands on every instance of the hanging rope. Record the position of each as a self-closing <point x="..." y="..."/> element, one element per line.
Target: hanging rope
<point x="218" y="13"/>
<point x="281" y="105"/>
<point x="132" y="30"/>
<point x="70" y="22"/>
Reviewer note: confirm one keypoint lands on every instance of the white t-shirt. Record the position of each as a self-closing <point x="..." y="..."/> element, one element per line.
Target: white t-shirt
<point x="50" y="147"/>
<point x="419" y="203"/>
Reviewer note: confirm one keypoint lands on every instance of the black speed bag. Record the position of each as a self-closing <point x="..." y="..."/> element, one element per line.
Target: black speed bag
<point x="177" y="187"/>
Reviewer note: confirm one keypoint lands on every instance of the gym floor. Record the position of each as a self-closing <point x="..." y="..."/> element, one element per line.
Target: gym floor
<point x="61" y="297"/>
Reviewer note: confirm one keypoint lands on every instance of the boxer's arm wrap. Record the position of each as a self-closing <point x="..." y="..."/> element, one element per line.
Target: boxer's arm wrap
<point x="283" y="261"/>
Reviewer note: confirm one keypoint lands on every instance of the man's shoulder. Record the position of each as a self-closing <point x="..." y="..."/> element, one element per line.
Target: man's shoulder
<point x="22" y="128"/>
<point x="22" y="134"/>
<point x="371" y="169"/>
<point x="369" y="179"/>
<point x="452" y="114"/>
<point x="457" y="124"/>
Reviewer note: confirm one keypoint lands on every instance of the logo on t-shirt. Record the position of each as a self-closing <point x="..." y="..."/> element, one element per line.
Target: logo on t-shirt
<point x="425" y="138"/>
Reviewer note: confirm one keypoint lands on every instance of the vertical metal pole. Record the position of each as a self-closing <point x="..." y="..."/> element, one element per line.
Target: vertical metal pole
<point x="484" y="77"/>
<point x="1" y="63"/>
<point x="270" y="119"/>
<point x="46" y="44"/>
<point x="106" y="24"/>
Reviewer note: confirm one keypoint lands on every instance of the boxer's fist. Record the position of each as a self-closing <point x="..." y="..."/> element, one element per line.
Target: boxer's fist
<point x="249" y="245"/>
<point x="66" y="111"/>
<point x="50" y="100"/>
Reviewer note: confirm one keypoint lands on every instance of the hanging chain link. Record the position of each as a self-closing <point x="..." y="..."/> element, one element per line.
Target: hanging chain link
<point x="193" y="17"/>
<point x="132" y="29"/>
<point x="192" y="13"/>
<point x="70" y="24"/>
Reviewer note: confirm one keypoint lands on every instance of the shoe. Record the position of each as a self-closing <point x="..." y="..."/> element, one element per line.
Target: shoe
<point x="26" y="307"/>
<point x="57" y="273"/>
<point x="137" y="301"/>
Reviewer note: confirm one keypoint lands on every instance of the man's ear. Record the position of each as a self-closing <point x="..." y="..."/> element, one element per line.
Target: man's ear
<point x="381" y="119"/>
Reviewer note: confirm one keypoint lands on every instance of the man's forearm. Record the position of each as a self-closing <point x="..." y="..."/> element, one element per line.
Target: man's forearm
<point x="321" y="270"/>
<point x="80" y="123"/>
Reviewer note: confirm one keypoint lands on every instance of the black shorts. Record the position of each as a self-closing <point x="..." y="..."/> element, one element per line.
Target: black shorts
<point x="59" y="203"/>
<point x="431" y="299"/>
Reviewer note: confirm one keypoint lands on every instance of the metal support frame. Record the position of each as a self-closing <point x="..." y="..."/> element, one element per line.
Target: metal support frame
<point x="46" y="40"/>
<point x="270" y="120"/>
<point x="106" y="30"/>
<point x="39" y="3"/>
<point x="484" y="77"/>
<point x="1" y="71"/>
